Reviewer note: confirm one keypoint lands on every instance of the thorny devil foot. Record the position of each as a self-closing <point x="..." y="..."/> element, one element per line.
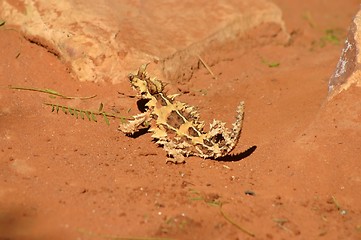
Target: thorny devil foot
<point x="176" y="125"/>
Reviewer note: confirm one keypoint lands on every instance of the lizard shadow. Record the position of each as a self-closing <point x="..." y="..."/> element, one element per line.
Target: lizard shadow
<point x="139" y="133"/>
<point x="237" y="157"/>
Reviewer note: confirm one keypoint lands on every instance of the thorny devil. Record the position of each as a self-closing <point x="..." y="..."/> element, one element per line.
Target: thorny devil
<point x="176" y="125"/>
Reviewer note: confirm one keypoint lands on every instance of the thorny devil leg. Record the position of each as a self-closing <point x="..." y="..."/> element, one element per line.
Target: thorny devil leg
<point x="141" y="120"/>
<point x="176" y="126"/>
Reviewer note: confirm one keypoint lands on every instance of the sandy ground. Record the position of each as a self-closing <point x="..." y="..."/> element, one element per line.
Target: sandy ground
<point x="67" y="178"/>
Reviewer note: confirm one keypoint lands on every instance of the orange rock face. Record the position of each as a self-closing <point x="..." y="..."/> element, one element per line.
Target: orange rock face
<point x="106" y="41"/>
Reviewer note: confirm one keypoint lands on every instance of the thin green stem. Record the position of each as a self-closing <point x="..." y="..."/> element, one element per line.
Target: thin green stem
<point x="98" y="113"/>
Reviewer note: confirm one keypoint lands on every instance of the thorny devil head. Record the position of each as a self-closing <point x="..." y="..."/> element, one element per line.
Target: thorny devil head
<point x="176" y="125"/>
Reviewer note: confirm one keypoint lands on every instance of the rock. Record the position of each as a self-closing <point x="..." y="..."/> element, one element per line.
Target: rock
<point x="348" y="69"/>
<point x="106" y="40"/>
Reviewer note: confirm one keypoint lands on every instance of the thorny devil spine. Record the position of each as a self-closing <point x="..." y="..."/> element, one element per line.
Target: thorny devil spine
<point x="176" y="125"/>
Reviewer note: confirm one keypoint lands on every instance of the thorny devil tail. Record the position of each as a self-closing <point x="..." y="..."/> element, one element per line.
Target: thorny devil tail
<point x="237" y="126"/>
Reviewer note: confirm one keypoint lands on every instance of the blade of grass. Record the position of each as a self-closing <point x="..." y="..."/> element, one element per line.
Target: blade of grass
<point x="207" y="67"/>
<point x="270" y="64"/>
<point x="280" y="222"/>
<point x="235" y="224"/>
<point x="90" y="234"/>
<point x="50" y="92"/>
